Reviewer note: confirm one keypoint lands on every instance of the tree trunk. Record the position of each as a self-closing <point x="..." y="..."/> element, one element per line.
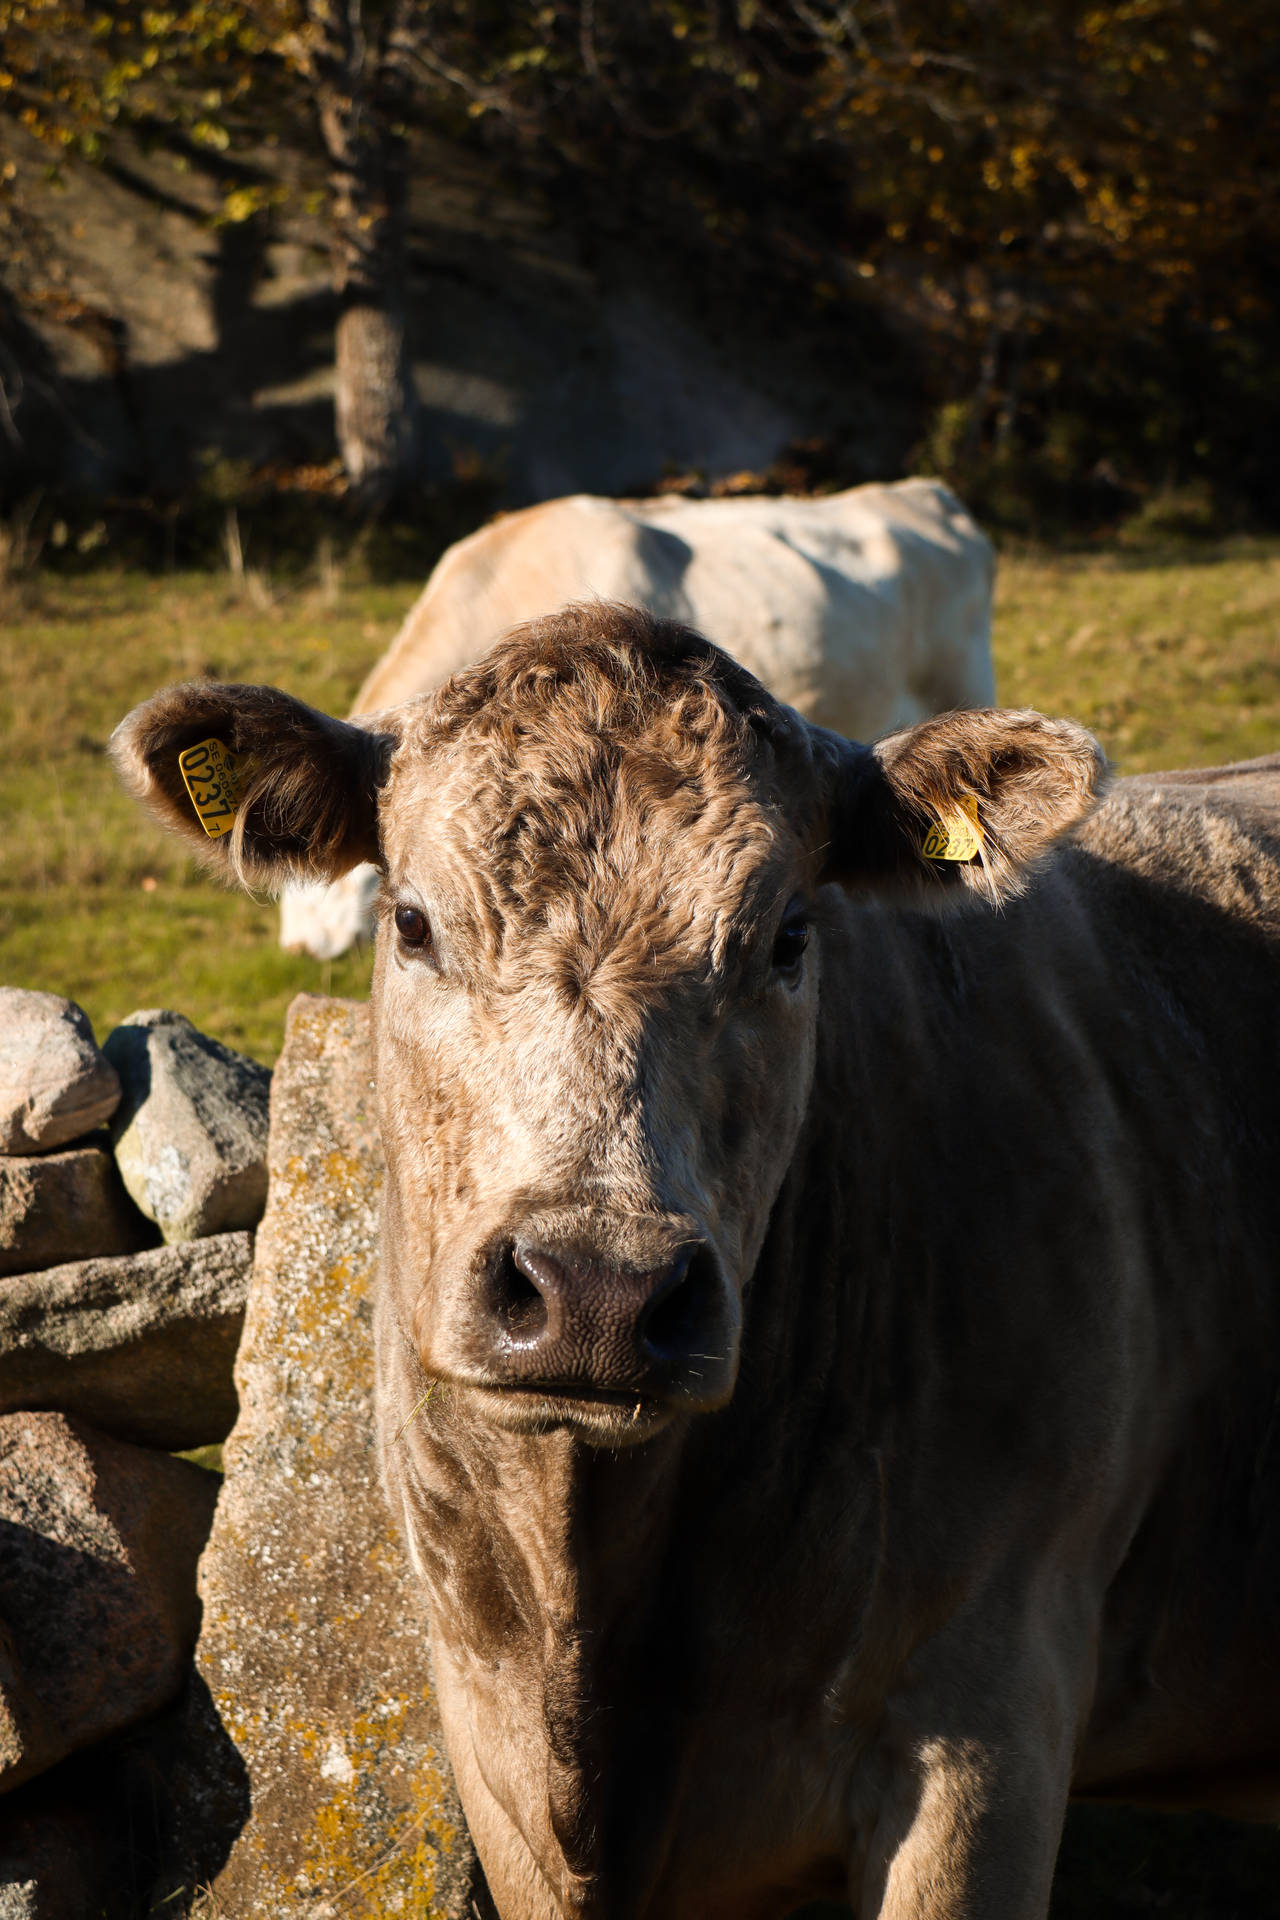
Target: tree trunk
<point x="373" y="397"/>
<point x="375" y="407"/>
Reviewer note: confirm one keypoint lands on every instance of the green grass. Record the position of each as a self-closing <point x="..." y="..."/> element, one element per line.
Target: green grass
<point x="1174" y="660"/>
<point x="97" y="903"/>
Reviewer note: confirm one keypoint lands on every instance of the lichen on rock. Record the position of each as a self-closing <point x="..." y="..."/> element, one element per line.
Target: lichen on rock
<point x="313" y="1665"/>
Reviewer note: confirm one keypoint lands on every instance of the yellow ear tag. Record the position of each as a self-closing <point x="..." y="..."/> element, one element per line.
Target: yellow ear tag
<point x="214" y="778"/>
<point x="957" y="835"/>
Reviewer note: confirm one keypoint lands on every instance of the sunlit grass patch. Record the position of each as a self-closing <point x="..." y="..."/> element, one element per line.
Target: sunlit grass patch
<point x="1172" y="661"/>
<point x="95" y="901"/>
<point x="210" y="1457"/>
<point x="211" y="954"/>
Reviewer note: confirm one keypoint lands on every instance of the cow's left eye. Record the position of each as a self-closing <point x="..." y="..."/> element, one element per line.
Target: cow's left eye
<point x="791" y="941"/>
<point x="413" y="927"/>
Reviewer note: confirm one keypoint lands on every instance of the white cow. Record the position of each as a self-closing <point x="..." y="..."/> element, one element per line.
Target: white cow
<point x="866" y="610"/>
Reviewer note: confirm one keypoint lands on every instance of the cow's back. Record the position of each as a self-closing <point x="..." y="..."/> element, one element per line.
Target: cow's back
<point x="1249" y="789"/>
<point x="1209" y="833"/>
<point x="865" y="610"/>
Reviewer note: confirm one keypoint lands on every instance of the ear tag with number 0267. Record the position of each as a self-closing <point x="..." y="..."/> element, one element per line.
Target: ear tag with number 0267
<point x="957" y="835"/>
<point x="214" y="779"/>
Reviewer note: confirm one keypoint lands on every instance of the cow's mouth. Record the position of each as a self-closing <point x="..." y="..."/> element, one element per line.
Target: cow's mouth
<point x="607" y="1416"/>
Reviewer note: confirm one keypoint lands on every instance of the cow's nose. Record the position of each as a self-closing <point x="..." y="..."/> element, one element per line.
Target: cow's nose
<point x="561" y="1318"/>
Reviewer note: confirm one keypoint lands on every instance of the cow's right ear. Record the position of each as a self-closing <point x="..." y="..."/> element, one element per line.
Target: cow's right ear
<point x="263" y="787"/>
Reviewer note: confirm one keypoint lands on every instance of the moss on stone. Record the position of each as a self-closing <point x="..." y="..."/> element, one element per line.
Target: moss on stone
<point x="313" y="1657"/>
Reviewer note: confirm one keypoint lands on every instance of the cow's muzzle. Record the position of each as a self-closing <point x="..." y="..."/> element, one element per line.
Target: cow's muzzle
<point x="565" y="1323"/>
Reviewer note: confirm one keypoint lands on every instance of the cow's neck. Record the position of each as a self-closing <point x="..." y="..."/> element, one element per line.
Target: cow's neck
<point x="544" y="1562"/>
<point x="624" y="1599"/>
<point x="605" y="1589"/>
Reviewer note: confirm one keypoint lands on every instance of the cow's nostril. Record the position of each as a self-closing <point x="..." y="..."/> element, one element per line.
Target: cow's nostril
<point x="676" y="1322"/>
<point x="518" y="1302"/>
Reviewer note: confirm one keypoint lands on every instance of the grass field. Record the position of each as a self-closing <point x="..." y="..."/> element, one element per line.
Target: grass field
<point x="1172" y="659"/>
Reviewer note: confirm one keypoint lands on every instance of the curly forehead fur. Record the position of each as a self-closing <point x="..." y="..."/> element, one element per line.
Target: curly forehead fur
<point x="612" y="786"/>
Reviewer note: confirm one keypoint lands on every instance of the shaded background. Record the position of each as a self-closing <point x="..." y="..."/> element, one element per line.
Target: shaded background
<point x="599" y="245"/>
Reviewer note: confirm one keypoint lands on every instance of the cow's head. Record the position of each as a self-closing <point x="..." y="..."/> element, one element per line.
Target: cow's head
<point x="604" y="852"/>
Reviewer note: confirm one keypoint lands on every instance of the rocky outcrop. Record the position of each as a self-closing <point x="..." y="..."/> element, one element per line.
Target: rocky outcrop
<point x="98" y="1613"/>
<point x="560" y="367"/>
<point x="64" y="1206"/>
<point x="54" y="1083"/>
<point x="143" y="1346"/>
<point x="313" y="1666"/>
<point x="190" y="1133"/>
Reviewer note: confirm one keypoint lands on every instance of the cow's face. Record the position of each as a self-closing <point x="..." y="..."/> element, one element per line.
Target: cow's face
<point x="598" y="974"/>
<point x="595" y="1004"/>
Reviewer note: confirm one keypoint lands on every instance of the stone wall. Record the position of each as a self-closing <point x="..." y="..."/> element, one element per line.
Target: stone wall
<point x="261" y="1744"/>
<point x="309" y="1773"/>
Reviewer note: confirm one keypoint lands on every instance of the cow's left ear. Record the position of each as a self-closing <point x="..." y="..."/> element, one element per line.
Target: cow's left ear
<point x="969" y="803"/>
<point x="261" y="786"/>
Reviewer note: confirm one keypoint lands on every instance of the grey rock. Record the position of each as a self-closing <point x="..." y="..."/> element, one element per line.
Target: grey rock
<point x="143" y="1346"/>
<point x="313" y="1655"/>
<point x="65" y="1206"/>
<point x="54" y="1083"/>
<point x="190" y="1133"/>
<point x="98" y="1550"/>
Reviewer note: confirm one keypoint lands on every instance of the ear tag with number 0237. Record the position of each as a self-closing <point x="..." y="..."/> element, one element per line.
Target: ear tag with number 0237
<point x="957" y="835"/>
<point x="214" y="778"/>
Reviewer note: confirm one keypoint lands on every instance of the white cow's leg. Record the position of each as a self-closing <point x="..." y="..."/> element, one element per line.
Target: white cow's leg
<point x="325" y="920"/>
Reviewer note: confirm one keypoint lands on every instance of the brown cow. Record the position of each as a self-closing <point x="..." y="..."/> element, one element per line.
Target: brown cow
<point x="828" y="1338"/>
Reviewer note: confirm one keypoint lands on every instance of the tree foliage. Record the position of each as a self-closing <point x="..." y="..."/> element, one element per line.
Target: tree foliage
<point x="1075" y="207"/>
<point x="1070" y="207"/>
<point x="72" y="70"/>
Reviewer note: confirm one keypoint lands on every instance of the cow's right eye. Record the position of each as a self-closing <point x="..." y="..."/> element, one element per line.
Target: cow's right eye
<point x="413" y="927"/>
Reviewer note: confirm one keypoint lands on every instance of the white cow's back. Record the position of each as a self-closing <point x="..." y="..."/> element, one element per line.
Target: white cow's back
<point x="866" y="610"/>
